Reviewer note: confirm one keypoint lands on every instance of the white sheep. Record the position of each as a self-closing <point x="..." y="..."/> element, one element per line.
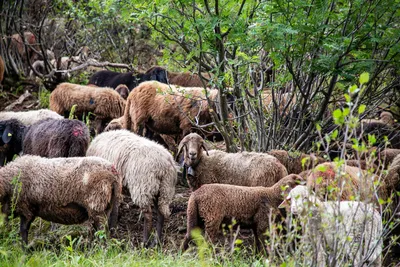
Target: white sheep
<point x="30" y="117"/>
<point x="352" y="228"/>
<point x="148" y="171"/>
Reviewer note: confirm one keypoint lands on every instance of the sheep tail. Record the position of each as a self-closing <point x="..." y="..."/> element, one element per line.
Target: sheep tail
<point x="167" y="191"/>
<point x="114" y="204"/>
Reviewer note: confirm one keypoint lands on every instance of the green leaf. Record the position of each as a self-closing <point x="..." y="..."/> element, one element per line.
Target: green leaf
<point x="364" y="77"/>
<point x="353" y="89"/>
<point x="318" y="127"/>
<point x="361" y="109"/>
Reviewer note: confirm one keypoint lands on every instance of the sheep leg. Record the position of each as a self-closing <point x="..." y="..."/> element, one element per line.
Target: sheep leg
<point x="148" y="224"/>
<point x="24" y="227"/>
<point x="160" y="225"/>
<point x="212" y="229"/>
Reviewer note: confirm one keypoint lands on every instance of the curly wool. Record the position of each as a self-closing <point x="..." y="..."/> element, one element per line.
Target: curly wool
<point x="214" y="203"/>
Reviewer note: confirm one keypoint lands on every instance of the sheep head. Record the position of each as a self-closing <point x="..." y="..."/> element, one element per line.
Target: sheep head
<point x="387" y="118"/>
<point x="157" y="74"/>
<point x="192" y="146"/>
<point x="6" y="135"/>
<point x="299" y="200"/>
<point x="115" y="124"/>
<point x="122" y="90"/>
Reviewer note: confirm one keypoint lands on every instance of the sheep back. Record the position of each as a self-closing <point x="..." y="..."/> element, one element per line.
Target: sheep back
<point x="57" y="138"/>
<point x="244" y="169"/>
<point x="30" y="117"/>
<point x="105" y="103"/>
<point x="294" y="161"/>
<point x="147" y="168"/>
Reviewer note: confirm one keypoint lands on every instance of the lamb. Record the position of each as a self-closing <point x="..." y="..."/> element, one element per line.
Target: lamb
<point x="214" y="203"/>
<point x="148" y="171"/>
<point x="214" y="166"/>
<point x="61" y="190"/>
<point x="294" y="162"/>
<point x="165" y="113"/>
<point x="351" y="230"/>
<point x="30" y="117"/>
<point x="47" y="138"/>
<point x="104" y="103"/>
<point x="185" y="79"/>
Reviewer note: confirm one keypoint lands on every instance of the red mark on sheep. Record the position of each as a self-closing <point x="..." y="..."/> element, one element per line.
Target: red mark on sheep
<point x="114" y="170"/>
<point x="77" y="131"/>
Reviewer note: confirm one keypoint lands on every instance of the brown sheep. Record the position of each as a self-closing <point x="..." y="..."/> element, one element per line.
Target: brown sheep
<point x="362" y="164"/>
<point x="2" y="68"/>
<point x="387" y="156"/>
<point x="18" y="45"/>
<point x="105" y="103"/>
<point x="385" y="117"/>
<point x="185" y="79"/>
<point x="350" y="181"/>
<point x="294" y="161"/>
<point x="251" y="206"/>
<point x="165" y="109"/>
<point x="214" y="166"/>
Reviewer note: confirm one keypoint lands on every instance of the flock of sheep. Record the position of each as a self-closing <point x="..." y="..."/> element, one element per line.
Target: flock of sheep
<point x="66" y="178"/>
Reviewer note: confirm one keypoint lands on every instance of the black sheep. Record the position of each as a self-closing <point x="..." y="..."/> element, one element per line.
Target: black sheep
<point x="12" y="135"/>
<point x="47" y="138"/>
<point x="107" y="78"/>
<point x="57" y="138"/>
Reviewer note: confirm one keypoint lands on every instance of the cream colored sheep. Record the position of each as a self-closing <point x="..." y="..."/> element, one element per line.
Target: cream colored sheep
<point x="148" y="171"/>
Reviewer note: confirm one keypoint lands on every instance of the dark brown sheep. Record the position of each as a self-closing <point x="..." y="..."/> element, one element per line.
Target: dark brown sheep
<point x="251" y="206"/>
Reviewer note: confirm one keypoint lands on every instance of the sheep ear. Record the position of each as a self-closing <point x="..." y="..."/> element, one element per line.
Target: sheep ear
<point x="203" y="145"/>
<point x="181" y="145"/>
<point x="285" y="203"/>
<point x="7" y="134"/>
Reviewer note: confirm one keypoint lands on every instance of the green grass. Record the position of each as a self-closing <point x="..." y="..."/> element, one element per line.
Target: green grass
<point x="58" y="248"/>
